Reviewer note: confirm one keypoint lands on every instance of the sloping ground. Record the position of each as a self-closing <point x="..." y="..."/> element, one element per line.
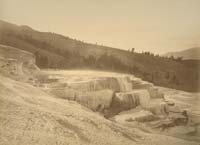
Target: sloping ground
<point x="30" y="116"/>
<point x="128" y="100"/>
<point x="37" y="118"/>
<point x="191" y="53"/>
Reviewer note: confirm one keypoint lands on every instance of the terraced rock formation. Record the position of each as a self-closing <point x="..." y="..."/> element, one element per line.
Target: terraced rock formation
<point x="68" y="107"/>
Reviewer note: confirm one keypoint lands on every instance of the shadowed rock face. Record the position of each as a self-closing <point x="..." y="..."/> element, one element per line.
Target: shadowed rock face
<point x="125" y="101"/>
<point x="129" y="100"/>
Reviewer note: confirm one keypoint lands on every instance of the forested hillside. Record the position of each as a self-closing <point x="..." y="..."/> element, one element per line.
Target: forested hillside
<point x="61" y="52"/>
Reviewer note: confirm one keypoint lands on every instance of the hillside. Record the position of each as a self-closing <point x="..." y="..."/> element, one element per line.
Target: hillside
<point x="31" y="112"/>
<point x="61" y="52"/>
<point x="191" y="53"/>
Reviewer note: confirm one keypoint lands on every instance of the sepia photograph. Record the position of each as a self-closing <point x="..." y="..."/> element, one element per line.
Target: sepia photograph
<point x="99" y="72"/>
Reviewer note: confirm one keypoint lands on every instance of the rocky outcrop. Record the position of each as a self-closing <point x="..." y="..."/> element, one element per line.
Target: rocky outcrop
<point x="126" y="101"/>
<point x="108" y="93"/>
<point x="95" y="100"/>
<point x="30" y="116"/>
<point x="103" y="93"/>
<point x="142" y="116"/>
<point x="113" y="94"/>
<point x="16" y="63"/>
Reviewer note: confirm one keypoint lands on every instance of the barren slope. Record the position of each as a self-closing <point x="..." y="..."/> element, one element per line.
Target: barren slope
<point x="30" y="116"/>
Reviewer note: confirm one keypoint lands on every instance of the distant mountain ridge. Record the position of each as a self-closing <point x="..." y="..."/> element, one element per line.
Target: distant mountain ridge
<point x="61" y="52"/>
<point x="191" y="53"/>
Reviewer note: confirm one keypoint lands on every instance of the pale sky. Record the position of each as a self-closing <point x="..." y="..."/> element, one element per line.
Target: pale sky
<point x="150" y="25"/>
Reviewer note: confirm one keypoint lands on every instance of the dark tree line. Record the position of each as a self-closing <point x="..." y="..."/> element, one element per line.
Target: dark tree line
<point x="178" y="59"/>
<point x="73" y="59"/>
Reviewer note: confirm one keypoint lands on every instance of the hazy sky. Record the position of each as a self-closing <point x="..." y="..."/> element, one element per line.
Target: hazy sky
<point x="153" y="25"/>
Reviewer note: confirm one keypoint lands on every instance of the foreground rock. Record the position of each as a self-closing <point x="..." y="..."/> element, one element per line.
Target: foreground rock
<point x="37" y="118"/>
<point x="17" y="64"/>
<point x="158" y="113"/>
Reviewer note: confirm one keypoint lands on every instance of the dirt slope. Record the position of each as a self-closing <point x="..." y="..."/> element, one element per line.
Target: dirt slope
<point x="30" y="116"/>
